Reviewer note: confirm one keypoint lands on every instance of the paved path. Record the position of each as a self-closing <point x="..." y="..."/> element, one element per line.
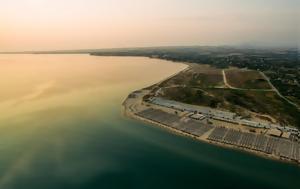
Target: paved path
<point x="279" y="94"/>
<point x="268" y="80"/>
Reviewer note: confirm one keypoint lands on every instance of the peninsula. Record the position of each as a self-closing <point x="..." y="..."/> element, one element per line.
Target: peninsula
<point x="232" y="99"/>
<point x="198" y="111"/>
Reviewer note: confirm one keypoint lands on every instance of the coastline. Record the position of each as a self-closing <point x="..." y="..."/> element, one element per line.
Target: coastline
<point x="131" y="112"/>
<point x="198" y="139"/>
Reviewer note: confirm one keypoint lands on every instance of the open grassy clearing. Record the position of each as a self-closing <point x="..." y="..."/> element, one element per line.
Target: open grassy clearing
<point x="203" y="85"/>
<point x="202" y="76"/>
<point x="246" y="79"/>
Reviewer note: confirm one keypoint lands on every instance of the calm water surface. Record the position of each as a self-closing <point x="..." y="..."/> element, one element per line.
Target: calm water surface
<point x="61" y="127"/>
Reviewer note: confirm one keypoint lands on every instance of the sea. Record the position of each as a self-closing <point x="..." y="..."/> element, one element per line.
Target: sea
<point x="62" y="127"/>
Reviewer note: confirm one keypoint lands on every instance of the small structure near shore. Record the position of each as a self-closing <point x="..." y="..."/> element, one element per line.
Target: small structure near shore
<point x="198" y="116"/>
<point x="274" y="132"/>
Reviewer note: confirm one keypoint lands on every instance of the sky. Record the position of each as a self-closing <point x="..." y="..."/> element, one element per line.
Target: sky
<point x="91" y="24"/>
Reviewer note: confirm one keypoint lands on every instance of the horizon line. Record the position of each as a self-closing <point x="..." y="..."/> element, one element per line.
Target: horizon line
<point x="93" y="50"/>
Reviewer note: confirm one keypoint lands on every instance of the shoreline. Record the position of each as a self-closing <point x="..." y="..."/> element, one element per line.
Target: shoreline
<point x="199" y="139"/>
<point x="132" y="105"/>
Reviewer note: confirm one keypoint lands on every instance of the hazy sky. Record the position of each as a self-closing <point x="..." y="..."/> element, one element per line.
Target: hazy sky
<point x="80" y="24"/>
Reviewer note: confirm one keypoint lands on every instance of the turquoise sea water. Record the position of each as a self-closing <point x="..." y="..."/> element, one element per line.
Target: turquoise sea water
<point x="61" y="126"/>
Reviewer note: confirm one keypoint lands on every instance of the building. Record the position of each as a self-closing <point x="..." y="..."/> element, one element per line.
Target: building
<point x="198" y="116"/>
<point x="274" y="132"/>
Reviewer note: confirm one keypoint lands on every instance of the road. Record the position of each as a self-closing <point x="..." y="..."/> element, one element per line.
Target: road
<point x="268" y="80"/>
<point x="241" y="89"/>
<point x="279" y="94"/>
